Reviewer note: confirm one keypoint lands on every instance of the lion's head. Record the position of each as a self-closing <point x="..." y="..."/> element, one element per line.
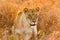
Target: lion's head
<point x="31" y="14"/>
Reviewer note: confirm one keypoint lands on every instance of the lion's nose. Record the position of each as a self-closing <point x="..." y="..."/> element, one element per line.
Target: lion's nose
<point x="33" y="21"/>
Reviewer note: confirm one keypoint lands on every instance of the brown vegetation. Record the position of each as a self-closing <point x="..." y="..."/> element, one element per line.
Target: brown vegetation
<point x="49" y="18"/>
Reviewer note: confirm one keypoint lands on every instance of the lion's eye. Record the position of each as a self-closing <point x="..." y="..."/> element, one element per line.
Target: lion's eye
<point x="29" y="16"/>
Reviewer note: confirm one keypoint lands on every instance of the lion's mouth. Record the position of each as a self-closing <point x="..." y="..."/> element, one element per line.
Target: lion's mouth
<point x="33" y="23"/>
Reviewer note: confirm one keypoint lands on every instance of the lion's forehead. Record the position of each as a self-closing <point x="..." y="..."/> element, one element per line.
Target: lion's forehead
<point x="32" y="13"/>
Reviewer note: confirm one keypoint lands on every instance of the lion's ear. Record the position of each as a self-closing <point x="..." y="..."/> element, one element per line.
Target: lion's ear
<point x="25" y="10"/>
<point x="37" y="9"/>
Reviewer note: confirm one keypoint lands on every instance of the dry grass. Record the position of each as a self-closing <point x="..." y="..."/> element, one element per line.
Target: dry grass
<point x="48" y="8"/>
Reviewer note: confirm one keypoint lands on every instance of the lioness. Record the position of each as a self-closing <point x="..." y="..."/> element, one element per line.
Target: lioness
<point x="26" y="23"/>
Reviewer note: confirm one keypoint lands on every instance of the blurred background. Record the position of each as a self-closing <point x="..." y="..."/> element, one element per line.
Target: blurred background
<point x="49" y="16"/>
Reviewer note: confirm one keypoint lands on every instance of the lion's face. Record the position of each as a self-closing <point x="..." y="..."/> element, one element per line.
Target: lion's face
<point x="31" y="15"/>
